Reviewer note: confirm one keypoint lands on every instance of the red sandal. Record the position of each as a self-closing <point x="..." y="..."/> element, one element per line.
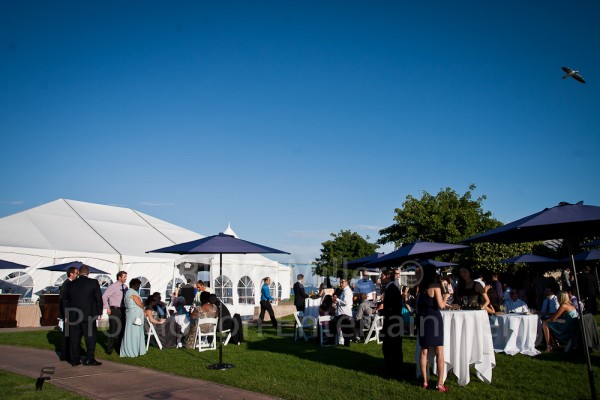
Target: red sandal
<point x="443" y="389"/>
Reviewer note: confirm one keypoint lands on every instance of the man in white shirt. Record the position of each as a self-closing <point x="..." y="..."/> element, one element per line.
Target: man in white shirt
<point x="343" y="314"/>
<point x="366" y="286"/>
<point x="514" y="304"/>
<point x="550" y="304"/>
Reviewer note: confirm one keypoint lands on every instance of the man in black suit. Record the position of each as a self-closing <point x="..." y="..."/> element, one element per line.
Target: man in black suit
<point x="83" y="305"/>
<point x="393" y="326"/>
<point x="72" y="274"/>
<point x="299" y="293"/>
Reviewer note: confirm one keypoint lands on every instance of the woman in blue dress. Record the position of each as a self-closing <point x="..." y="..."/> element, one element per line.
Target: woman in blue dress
<point x="431" y="324"/>
<point x="133" y="339"/>
<point x="561" y="325"/>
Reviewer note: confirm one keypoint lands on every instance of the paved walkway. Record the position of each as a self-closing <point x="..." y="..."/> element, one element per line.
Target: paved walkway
<point x="113" y="380"/>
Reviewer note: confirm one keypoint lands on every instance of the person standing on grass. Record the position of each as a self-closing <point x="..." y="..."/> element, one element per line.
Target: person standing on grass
<point x="393" y="325"/>
<point x="431" y="324"/>
<point x="299" y="293"/>
<point x="113" y="301"/>
<point x="265" y="303"/>
<point x="72" y="274"/>
<point x="83" y="306"/>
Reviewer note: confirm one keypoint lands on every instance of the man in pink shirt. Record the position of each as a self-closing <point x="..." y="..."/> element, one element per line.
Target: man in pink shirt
<point x="113" y="303"/>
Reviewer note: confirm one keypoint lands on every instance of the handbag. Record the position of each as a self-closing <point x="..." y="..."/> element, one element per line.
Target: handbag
<point x="137" y="321"/>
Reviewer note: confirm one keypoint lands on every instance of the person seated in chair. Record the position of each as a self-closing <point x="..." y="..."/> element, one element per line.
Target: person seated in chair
<point x="363" y="316"/>
<point x="514" y="304"/>
<point x="167" y="329"/>
<point x="160" y="307"/>
<point x="550" y="304"/>
<point x="205" y="310"/>
<point x="560" y="330"/>
<point x="222" y="312"/>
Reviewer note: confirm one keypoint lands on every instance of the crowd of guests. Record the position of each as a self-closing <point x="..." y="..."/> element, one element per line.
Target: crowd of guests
<point x="404" y="308"/>
<point x="82" y="304"/>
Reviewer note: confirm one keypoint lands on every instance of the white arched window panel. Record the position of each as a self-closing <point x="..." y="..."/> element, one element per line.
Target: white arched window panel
<point x="60" y="280"/>
<point x="178" y="282"/>
<point x="145" y="288"/>
<point x="224" y="289"/>
<point x="272" y="288"/>
<point x="279" y="290"/>
<point x="105" y="281"/>
<point x="23" y="280"/>
<point x="245" y="291"/>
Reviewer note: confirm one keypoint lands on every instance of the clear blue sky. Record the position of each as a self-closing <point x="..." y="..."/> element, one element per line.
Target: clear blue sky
<point x="292" y="120"/>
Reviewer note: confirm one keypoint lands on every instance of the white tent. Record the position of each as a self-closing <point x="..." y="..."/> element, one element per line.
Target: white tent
<point x="115" y="238"/>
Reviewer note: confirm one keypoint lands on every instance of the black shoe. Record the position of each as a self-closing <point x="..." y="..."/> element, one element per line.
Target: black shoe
<point x="109" y="351"/>
<point x="76" y="363"/>
<point x="93" y="362"/>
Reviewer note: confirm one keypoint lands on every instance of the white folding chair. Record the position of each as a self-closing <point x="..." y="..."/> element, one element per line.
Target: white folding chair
<point x="302" y="323"/>
<point x="325" y="336"/>
<point x="202" y="341"/>
<point x="151" y="332"/>
<point x="376" y="327"/>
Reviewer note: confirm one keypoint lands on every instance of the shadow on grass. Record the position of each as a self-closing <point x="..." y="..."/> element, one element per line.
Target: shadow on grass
<point x="355" y="358"/>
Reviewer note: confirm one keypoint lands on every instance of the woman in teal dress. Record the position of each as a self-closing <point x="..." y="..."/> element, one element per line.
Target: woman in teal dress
<point x="133" y="339"/>
<point x="556" y="330"/>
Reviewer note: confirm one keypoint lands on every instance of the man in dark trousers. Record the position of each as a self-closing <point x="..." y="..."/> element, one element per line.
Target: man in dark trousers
<point x="393" y="326"/>
<point x="265" y="303"/>
<point x="113" y="300"/>
<point x="299" y="293"/>
<point x="72" y="274"/>
<point x="83" y="305"/>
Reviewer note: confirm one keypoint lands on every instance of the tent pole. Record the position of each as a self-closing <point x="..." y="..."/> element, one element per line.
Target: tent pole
<point x="582" y="327"/>
<point x="220" y="308"/>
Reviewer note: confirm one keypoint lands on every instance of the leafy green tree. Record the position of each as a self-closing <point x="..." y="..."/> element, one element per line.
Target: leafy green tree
<point x="446" y="217"/>
<point x="449" y="218"/>
<point x="344" y="247"/>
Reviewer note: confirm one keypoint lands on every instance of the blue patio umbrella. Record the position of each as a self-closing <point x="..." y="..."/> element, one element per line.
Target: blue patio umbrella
<point x="359" y="263"/>
<point x="528" y="258"/>
<point x="590" y="255"/>
<point x="77" y="264"/>
<point x="11" y="265"/>
<point x="592" y="243"/>
<point x="437" y="263"/>
<point x="12" y="288"/>
<point x="414" y="251"/>
<point x="564" y="221"/>
<point x="218" y="244"/>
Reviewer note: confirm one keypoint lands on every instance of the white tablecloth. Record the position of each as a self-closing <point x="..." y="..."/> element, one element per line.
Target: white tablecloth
<point x="515" y="333"/>
<point x="311" y="307"/>
<point x="467" y="341"/>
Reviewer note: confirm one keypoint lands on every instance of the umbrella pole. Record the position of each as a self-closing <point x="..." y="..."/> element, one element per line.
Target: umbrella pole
<point x="220" y="365"/>
<point x="582" y="327"/>
<point x="597" y="281"/>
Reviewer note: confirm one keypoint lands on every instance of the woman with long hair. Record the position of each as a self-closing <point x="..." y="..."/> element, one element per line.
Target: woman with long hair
<point x="431" y="324"/>
<point x="560" y="330"/>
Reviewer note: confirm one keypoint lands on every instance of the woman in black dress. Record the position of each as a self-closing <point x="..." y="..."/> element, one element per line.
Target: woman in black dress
<point x="431" y="325"/>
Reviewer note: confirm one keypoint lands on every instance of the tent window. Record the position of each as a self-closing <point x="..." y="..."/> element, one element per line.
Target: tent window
<point x="178" y="283"/>
<point x="272" y="289"/>
<point x="246" y="291"/>
<point x="105" y="281"/>
<point x="224" y="291"/>
<point x="145" y="288"/>
<point x="22" y="279"/>
<point x="60" y="280"/>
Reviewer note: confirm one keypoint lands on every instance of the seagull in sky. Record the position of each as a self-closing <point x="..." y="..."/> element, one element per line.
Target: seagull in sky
<point x="573" y="74"/>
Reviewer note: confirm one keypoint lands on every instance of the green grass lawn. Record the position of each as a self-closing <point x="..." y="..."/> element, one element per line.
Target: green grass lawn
<point x="276" y="365"/>
<point x="20" y="387"/>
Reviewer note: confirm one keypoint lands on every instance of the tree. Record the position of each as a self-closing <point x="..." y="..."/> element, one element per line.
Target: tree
<point x="449" y="218"/>
<point x="344" y="247"/>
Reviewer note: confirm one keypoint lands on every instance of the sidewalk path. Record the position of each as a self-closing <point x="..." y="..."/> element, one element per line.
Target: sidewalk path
<point x="113" y="380"/>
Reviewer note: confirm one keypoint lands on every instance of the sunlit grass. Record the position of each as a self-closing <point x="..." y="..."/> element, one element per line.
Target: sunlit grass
<point x="272" y="362"/>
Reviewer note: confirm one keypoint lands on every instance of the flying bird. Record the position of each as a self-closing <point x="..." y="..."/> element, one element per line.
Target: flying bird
<point x="573" y="74"/>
